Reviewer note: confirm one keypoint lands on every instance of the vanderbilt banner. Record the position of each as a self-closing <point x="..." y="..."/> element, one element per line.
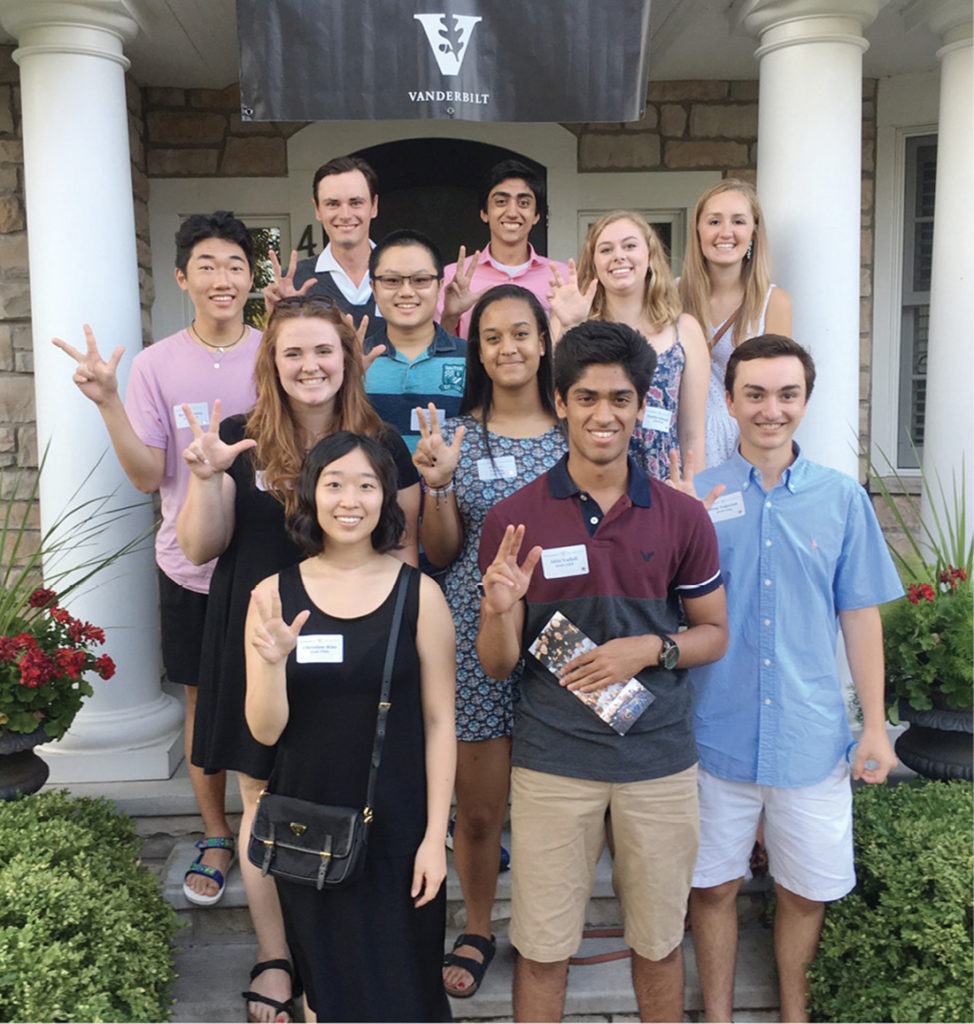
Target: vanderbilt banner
<point x="473" y="60"/>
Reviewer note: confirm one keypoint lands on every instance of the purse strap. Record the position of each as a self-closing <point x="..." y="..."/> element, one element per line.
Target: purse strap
<point x="726" y="326"/>
<point x="402" y="583"/>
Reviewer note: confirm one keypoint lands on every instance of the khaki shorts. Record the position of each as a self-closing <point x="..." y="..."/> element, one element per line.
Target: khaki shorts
<point x="558" y="831"/>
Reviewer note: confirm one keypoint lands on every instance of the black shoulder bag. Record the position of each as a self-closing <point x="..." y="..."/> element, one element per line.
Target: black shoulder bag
<point x="314" y="844"/>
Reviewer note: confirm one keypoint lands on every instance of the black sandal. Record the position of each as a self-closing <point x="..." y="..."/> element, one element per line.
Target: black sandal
<point x="255" y="997"/>
<point x="476" y="968"/>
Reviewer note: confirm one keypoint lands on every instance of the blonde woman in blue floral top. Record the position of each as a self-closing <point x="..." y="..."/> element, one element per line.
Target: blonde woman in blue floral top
<point x="507" y="434"/>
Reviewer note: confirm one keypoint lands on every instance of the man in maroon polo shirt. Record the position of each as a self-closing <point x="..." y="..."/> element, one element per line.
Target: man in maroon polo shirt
<point x="619" y="555"/>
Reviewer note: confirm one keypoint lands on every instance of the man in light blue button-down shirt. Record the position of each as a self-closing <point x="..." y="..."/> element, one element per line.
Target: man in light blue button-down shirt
<point x="802" y="554"/>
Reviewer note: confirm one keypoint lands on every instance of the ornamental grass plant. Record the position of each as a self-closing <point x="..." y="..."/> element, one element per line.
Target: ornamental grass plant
<point x="45" y="653"/>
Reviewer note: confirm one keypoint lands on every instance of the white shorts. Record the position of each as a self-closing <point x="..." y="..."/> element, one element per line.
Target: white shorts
<point x="807" y="833"/>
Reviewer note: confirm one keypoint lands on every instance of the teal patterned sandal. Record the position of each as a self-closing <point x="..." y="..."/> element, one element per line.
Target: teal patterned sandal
<point x="196" y="868"/>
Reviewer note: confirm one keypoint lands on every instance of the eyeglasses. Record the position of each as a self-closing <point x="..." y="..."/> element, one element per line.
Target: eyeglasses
<point x="299" y="301"/>
<point x="393" y="282"/>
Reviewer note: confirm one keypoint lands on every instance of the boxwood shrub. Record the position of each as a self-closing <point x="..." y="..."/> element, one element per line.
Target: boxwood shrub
<point x="899" y="947"/>
<point x="84" y="930"/>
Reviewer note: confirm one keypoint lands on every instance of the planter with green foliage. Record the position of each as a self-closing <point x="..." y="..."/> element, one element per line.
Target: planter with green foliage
<point x="84" y="930"/>
<point x="898" y="947"/>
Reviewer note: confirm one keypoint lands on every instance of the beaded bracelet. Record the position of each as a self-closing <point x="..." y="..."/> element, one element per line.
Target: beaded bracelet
<point x="439" y="492"/>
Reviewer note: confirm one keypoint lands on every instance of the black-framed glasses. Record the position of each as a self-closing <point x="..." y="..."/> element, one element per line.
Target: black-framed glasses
<point x="299" y="301"/>
<point x="393" y="282"/>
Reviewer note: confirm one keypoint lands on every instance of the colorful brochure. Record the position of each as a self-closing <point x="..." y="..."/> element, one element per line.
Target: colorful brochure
<point x="618" y="705"/>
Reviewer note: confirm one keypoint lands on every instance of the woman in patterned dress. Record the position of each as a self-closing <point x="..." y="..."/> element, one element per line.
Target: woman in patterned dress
<point x="726" y="285"/>
<point x="624" y="276"/>
<point x="506" y="434"/>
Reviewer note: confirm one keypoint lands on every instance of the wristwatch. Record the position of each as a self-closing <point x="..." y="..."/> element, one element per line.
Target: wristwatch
<point x="669" y="653"/>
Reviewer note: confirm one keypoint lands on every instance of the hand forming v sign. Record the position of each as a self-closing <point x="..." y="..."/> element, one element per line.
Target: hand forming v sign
<point x="684" y="481"/>
<point x="95" y="378"/>
<point x="434" y="458"/>
<point x="208" y="455"/>
<point x="505" y="582"/>
<point x="457" y="296"/>
<point x="568" y="304"/>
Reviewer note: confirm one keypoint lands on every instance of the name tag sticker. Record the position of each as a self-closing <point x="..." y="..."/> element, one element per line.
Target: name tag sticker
<point x="199" y="409"/>
<point x="503" y="467"/>
<point x="727" y="506"/>
<point x="655" y="418"/>
<point x="557" y="563"/>
<point x="414" y="418"/>
<point x="321" y="647"/>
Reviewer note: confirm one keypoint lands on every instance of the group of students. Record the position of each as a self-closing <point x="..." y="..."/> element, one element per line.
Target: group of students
<point x="396" y="410"/>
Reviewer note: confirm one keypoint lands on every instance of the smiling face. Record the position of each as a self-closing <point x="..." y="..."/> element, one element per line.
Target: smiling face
<point x="217" y="279"/>
<point x="600" y="411"/>
<point x="510" y="345"/>
<point x="348" y="499"/>
<point x="769" y="402"/>
<point x="621" y="257"/>
<point x="725" y="228"/>
<point x="309" y="361"/>
<point x="345" y="209"/>
<point x="511" y="212"/>
<point x="406" y="304"/>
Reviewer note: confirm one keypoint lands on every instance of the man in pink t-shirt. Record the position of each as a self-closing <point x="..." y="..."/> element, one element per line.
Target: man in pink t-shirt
<point x="512" y="201"/>
<point x="211" y="359"/>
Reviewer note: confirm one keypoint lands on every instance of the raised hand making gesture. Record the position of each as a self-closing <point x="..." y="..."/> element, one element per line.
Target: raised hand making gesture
<point x="684" y="481"/>
<point x="96" y="379"/>
<point x="282" y="287"/>
<point x="272" y="638"/>
<point x="568" y="303"/>
<point x="208" y="455"/>
<point x="436" y="460"/>
<point x="505" y="582"/>
<point x="457" y="295"/>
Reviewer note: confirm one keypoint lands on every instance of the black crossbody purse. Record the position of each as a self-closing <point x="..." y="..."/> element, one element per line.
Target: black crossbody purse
<point x="315" y="844"/>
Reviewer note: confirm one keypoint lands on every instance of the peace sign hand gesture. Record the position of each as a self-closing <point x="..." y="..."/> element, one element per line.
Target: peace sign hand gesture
<point x="457" y="296"/>
<point x="282" y="287"/>
<point x="273" y="638"/>
<point x="684" y="481"/>
<point x="208" y="454"/>
<point x="505" y="582"/>
<point x="95" y="378"/>
<point x="434" y="458"/>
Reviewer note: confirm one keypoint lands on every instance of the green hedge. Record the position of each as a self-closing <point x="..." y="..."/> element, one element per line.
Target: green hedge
<point x="84" y="930"/>
<point x="899" y="947"/>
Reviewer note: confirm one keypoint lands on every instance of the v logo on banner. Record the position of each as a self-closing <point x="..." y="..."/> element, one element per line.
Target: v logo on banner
<point x="449" y="36"/>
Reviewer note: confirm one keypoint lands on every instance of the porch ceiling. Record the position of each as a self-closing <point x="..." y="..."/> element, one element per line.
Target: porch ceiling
<point x="188" y="44"/>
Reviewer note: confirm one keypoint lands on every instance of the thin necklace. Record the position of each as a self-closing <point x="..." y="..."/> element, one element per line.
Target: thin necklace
<point x="219" y="348"/>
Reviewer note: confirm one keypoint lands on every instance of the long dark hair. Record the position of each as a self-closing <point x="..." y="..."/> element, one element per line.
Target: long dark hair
<point x="478" y="389"/>
<point x="303" y="525"/>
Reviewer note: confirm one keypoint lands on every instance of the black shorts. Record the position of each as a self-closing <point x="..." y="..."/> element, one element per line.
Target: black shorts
<point x="181" y="614"/>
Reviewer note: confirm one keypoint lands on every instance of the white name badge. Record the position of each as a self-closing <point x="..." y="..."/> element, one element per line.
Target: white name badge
<point x="414" y="418"/>
<point x="199" y="409"/>
<point x="557" y="563"/>
<point x="502" y="468"/>
<point x="321" y="647"/>
<point x="657" y="419"/>
<point x="727" y="506"/>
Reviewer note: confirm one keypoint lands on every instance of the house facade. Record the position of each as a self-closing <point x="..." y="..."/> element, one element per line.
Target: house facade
<point x="120" y="117"/>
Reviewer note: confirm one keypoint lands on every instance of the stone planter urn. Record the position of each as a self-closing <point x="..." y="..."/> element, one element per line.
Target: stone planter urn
<point x="21" y="770"/>
<point x="939" y="743"/>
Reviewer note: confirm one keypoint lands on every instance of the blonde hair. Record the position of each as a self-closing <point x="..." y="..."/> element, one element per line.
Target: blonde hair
<point x="661" y="300"/>
<point x="278" y="454"/>
<point x="755" y="271"/>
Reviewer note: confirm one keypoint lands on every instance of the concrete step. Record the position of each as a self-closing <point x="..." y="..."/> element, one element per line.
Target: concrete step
<point x="213" y="970"/>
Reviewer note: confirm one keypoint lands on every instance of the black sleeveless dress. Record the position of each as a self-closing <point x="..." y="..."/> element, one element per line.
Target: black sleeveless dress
<point x="363" y="953"/>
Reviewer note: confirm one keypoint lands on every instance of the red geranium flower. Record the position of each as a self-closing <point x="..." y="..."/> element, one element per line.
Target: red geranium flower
<point x="37" y="668"/>
<point x="41" y="598"/>
<point x="105" y="667"/>
<point x="70" y="662"/>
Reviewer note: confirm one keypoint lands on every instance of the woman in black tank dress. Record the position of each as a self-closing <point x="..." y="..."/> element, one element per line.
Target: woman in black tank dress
<point x="372" y="950"/>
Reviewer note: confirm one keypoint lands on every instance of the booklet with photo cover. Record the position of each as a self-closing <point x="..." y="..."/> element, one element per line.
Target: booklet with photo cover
<point x="618" y="705"/>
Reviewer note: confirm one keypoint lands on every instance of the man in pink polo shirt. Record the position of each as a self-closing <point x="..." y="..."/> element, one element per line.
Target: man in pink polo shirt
<point x="512" y="201"/>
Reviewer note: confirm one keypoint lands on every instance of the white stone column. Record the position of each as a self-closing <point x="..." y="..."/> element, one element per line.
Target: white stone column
<point x="949" y="411"/>
<point x="83" y="269"/>
<point x="809" y="183"/>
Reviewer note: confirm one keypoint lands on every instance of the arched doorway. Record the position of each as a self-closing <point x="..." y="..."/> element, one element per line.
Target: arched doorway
<point x="432" y="185"/>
